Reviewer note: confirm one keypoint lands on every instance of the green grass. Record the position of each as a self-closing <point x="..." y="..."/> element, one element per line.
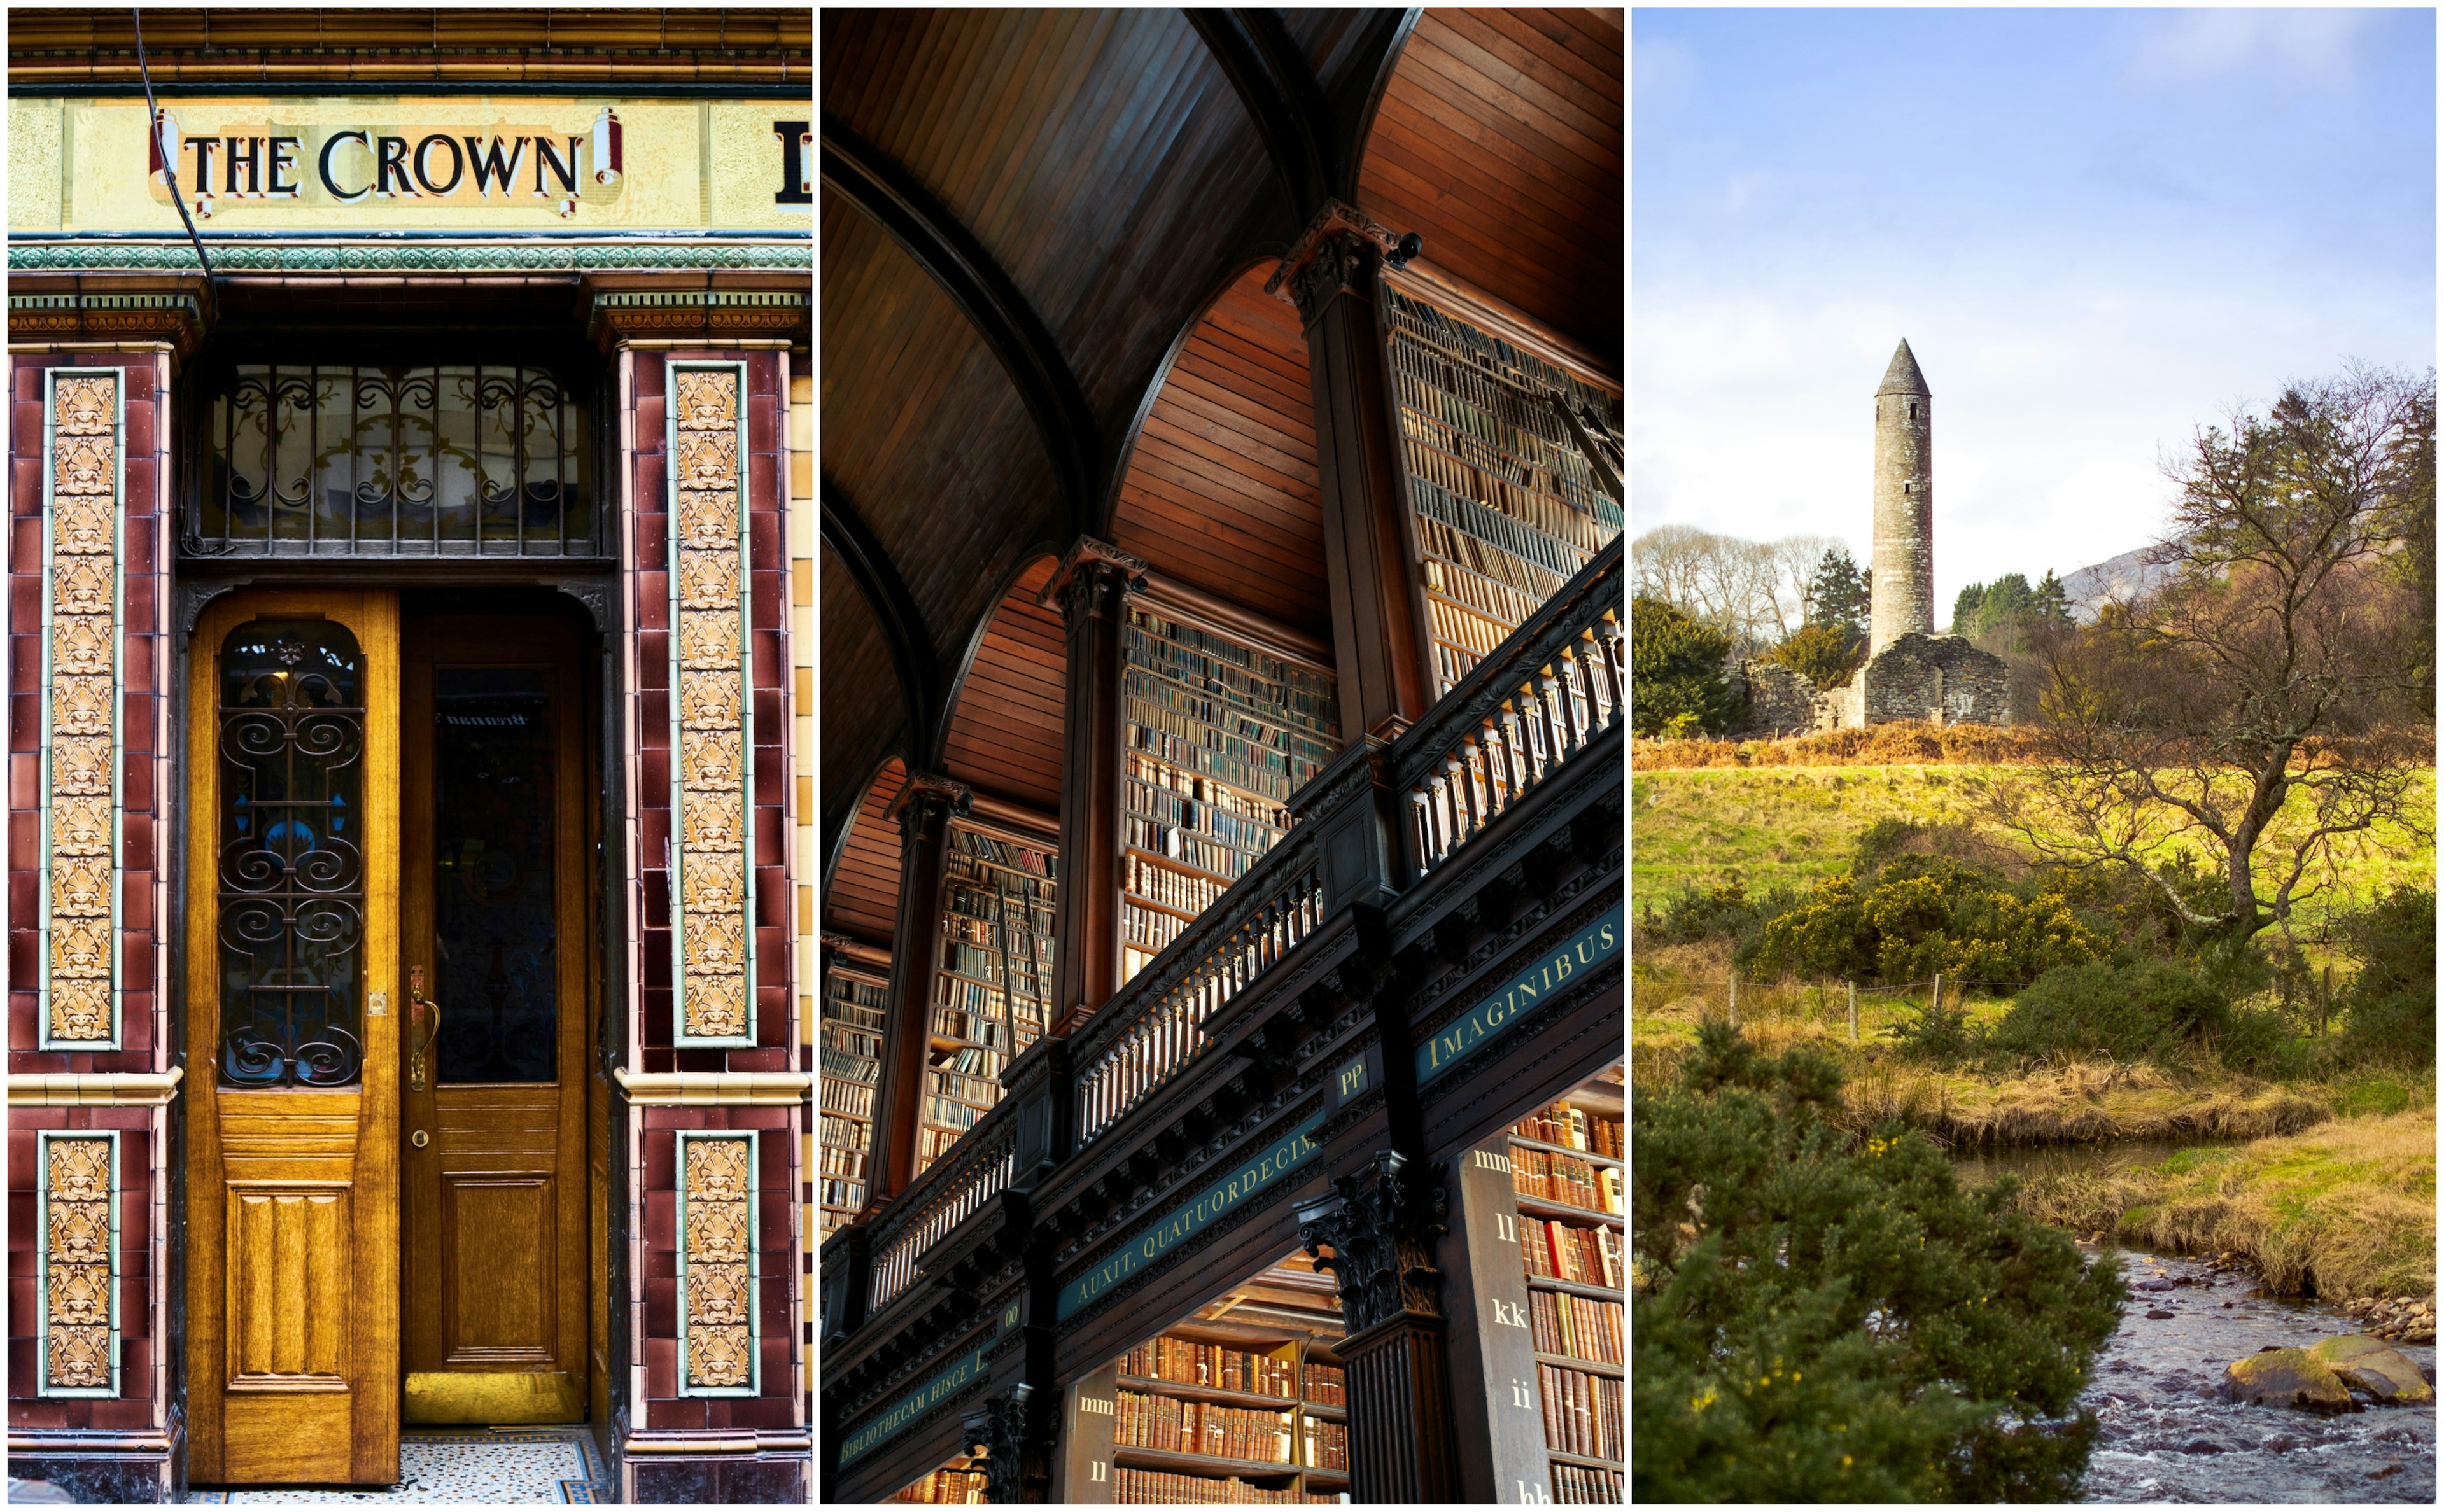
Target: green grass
<point x="1781" y="825"/>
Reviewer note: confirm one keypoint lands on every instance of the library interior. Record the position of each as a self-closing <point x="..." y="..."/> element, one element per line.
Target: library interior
<point x="1222" y="682"/>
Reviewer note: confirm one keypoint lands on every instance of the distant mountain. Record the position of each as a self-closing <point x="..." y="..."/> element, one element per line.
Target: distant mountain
<point x="2122" y="577"/>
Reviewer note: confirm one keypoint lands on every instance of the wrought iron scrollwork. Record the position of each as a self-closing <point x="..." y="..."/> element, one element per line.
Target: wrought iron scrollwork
<point x="291" y="864"/>
<point x="392" y="461"/>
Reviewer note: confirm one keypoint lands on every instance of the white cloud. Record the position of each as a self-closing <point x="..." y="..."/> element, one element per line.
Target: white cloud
<point x="2315" y="49"/>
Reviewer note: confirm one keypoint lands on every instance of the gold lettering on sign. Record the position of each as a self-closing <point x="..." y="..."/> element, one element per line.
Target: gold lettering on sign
<point x="77" y="1258"/>
<point x="717" y="1241"/>
<point x="80" y="686"/>
<point x="708" y="632"/>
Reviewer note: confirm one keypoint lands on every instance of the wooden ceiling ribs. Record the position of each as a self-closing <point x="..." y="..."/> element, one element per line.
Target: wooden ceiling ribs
<point x="861" y="721"/>
<point x="1500" y="141"/>
<point x="1109" y="187"/>
<point x="959" y="263"/>
<point x="903" y="623"/>
<point x="1003" y="739"/>
<point x="861" y="895"/>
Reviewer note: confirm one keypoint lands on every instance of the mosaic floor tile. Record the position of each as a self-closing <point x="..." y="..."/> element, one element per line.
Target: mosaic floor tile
<point x="522" y="1467"/>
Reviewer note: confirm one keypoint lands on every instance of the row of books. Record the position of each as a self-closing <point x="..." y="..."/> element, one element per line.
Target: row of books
<point x="1474" y="634"/>
<point x="975" y="1028"/>
<point x="847" y="1097"/>
<point x="1148" y="879"/>
<point x="849" y="1067"/>
<point x="1203" y="789"/>
<point x="1581" y="1412"/>
<point x="1580" y="1327"/>
<point x="1567" y="1179"/>
<point x="1474" y="591"/>
<point x="1259" y="766"/>
<point x="944" y="1488"/>
<point x="1323" y="1384"/>
<point x="1132" y="1488"/>
<point x="1209" y="659"/>
<point x="1185" y="1362"/>
<point x="1233" y="822"/>
<point x="1575" y="1128"/>
<point x="854" y="1002"/>
<point x="932" y="1144"/>
<point x="1033" y="860"/>
<point x="1451" y="665"/>
<point x="1493" y="400"/>
<point x="981" y="1091"/>
<point x="1150" y="930"/>
<point x="850" y="1163"/>
<point x="847" y="1134"/>
<point x="1181" y="846"/>
<point x="839" y="1191"/>
<point x="1525" y="464"/>
<point x="1585" y="1485"/>
<point x="1201" y="1427"/>
<point x="998" y="923"/>
<point x="1490" y="535"/>
<point x="981" y="1002"/>
<point x="1325" y="1445"/>
<point x="1415" y="321"/>
<point x="852" y="1040"/>
<point x="944" y="1113"/>
<point x="1263" y="720"/>
<point x="1569" y="1252"/>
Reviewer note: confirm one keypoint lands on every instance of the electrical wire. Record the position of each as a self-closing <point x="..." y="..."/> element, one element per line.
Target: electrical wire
<point x="170" y="159"/>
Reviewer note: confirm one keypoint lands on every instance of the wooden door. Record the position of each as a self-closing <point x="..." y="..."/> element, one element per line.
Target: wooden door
<point x="492" y="899"/>
<point x="292" y="1088"/>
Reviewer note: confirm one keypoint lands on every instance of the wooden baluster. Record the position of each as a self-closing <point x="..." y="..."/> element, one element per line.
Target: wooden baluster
<point x="1436" y="847"/>
<point x="1615" y="672"/>
<point x="1554" y="682"/>
<point x="1424" y="827"/>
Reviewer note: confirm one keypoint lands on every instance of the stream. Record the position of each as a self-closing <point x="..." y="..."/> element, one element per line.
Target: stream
<point x="2167" y="1433"/>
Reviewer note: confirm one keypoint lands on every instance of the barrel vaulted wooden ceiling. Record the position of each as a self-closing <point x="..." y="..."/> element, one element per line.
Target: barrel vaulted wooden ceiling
<point x="1044" y="236"/>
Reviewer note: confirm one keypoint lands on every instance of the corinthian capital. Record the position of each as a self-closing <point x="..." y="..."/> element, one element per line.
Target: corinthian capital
<point x="1382" y="1226"/>
<point x="1335" y="254"/>
<point x="1090" y="579"/>
<point x="928" y="800"/>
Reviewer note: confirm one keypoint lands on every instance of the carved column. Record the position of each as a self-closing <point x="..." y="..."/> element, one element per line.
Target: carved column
<point x="1377" y="609"/>
<point x="925" y="808"/>
<point x="1380" y="1226"/>
<point x="1016" y="1432"/>
<point x="1091" y="586"/>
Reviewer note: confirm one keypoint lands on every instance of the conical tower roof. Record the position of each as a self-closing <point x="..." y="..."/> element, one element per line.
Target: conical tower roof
<point x="1903" y="376"/>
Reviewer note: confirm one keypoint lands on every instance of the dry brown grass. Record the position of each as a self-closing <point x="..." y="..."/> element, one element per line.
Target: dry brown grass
<point x="2345" y="1210"/>
<point x="1899" y="744"/>
<point x="2081" y="1102"/>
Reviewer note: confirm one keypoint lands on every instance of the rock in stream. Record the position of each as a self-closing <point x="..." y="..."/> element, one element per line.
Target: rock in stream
<point x="2169" y="1434"/>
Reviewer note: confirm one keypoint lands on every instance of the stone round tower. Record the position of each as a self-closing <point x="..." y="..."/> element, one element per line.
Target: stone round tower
<point x="1901" y="595"/>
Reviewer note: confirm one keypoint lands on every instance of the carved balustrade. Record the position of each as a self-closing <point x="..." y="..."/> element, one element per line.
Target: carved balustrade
<point x="1540" y="699"/>
<point x="969" y="1173"/>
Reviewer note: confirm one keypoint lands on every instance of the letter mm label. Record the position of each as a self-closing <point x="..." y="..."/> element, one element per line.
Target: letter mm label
<point x="966" y="1367"/>
<point x="1590" y="948"/>
<point x="1249" y="1177"/>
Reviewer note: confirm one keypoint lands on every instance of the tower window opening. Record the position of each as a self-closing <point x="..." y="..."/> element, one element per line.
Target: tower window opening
<point x="1912" y="409"/>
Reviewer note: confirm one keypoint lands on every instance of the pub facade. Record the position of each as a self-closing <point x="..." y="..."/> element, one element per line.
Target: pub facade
<point x="409" y="949"/>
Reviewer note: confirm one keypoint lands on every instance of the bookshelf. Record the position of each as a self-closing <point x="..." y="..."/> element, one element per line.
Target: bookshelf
<point x="1504" y="506"/>
<point x="855" y="990"/>
<point x="1243" y="1403"/>
<point x="1220" y="731"/>
<point x="994" y="979"/>
<point x="1565" y="1176"/>
<point x="954" y="1485"/>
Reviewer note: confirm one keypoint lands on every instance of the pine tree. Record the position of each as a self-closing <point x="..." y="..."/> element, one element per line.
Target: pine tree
<point x="1969" y="612"/>
<point x="2050" y="607"/>
<point x="1676" y="682"/>
<point x="1818" y="1316"/>
<point x="1837" y="594"/>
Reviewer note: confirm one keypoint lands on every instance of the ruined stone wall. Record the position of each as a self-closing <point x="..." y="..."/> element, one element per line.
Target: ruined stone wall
<point x="1939" y="679"/>
<point x="1781" y="701"/>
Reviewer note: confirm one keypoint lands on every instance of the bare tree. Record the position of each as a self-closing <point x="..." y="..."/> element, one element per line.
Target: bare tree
<point x="2264" y="678"/>
<point x="1756" y="593"/>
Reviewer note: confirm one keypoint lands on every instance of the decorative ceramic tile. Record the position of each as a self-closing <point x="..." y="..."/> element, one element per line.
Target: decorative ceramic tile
<point x="717" y="1263"/>
<point x="521" y="1467"/>
<point x="81" y="619"/>
<point x="77" y="1225"/>
<point x="711" y="726"/>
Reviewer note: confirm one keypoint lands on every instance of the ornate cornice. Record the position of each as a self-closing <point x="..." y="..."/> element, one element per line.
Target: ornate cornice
<point x="1335" y="254"/>
<point x="1090" y="579"/>
<point x="788" y="254"/>
<point x="95" y="1089"/>
<point x="712" y="314"/>
<point x="172" y="317"/>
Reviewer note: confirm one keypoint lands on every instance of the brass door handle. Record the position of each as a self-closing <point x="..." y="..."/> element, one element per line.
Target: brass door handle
<point x="424" y="1020"/>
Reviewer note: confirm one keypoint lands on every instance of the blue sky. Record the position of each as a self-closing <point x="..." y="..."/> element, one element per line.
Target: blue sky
<point x="2096" y="227"/>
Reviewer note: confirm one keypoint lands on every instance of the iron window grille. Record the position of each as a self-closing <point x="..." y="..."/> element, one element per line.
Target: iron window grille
<point x="436" y="460"/>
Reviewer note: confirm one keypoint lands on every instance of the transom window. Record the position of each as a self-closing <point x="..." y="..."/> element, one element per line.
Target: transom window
<point x="471" y="460"/>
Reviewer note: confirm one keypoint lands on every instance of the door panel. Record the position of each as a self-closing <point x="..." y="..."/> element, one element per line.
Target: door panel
<point x="292" y="1280"/>
<point x="493" y="909"/>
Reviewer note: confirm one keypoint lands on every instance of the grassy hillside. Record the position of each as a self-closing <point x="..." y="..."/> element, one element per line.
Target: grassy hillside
<point x="1793" y="824"/>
